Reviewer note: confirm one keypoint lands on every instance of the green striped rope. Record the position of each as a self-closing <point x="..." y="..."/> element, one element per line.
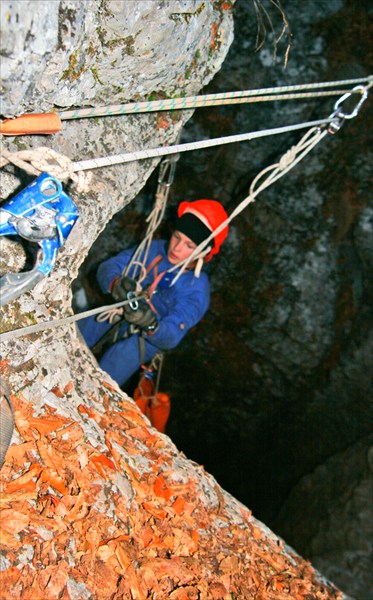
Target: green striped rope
<point x="191" y="102"/>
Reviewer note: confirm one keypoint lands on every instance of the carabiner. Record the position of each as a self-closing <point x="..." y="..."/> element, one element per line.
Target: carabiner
<point x="338" y="116"/>
<point x="337" y="106"/>
<point x="133" y="302"/>
<point x="167" y="170"/>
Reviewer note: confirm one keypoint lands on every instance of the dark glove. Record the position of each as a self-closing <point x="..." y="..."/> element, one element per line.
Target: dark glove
<point x="121" y="286"/>
<point x="143" y="316"/>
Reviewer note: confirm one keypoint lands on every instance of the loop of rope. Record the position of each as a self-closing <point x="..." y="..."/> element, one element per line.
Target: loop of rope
<point x="14" y="158"/>
<point x="142" y="251"/>
<point x="44" y="159"/>
<point x="112" y="315"/>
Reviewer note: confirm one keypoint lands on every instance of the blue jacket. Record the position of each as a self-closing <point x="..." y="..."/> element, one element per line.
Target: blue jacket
<point x="179" y="307"/>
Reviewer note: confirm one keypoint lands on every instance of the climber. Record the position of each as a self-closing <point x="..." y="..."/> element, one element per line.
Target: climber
<point x="162" y="320"/>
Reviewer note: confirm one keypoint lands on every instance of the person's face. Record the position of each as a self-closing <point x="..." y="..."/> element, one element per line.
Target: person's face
<point x="180" y="247"/>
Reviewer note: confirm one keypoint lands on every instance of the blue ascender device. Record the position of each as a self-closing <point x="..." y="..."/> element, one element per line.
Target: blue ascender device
<point x="42" y="213"/>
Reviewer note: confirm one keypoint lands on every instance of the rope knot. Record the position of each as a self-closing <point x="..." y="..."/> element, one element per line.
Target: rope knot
<point x="288" y="158"/>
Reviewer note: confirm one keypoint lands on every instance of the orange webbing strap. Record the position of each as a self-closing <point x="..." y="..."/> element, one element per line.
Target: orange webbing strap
<point x="143" y="393"/>
<point x="157" y="277"/>
<point x="32" y="124"/>
<point x="156" y="407"/>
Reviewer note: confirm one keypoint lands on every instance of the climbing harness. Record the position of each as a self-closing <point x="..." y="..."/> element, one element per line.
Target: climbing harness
<point x="6" y="419"/>
<point x="41" y="213"/>
<point x="317" y="131"/>
<point x="50" y="123"/>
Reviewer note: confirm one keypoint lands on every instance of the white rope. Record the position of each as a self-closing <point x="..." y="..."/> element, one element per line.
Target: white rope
<point x="140" y="256"/>
<point x="276" y="171"/>
<point x="107" y="161"/>
<point x="141" y="253"/>
<point x="21" y="331"/>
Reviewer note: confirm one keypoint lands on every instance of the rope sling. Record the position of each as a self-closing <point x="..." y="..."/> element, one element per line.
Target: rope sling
<point x="317" y="131"/>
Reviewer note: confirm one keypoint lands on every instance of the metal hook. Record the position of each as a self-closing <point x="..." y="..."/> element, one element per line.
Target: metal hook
<point x="167" y="170"/>
<point x="364" y="96"/>
<point x="338" y="116"/>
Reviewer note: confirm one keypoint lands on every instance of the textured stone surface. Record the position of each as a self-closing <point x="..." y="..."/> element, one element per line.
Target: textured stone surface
<point x="72" y="53"/>
<point x="61" y="43"/>
<point x="335" y="523"/>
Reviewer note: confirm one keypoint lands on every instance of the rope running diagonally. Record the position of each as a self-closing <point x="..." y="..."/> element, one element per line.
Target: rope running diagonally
<point x="107" y="161"/>
<point x="21" y="331"/>
<point x="201" y="101"/>
<point x="294" y="155"/>
<point x="60" y="169"/>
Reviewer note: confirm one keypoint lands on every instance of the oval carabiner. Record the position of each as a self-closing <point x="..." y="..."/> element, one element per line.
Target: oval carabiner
<point x="13" y="285"/>
<point x="167" y="171"/>
<point x="364" y="96"/>
<point x="132" y="298"/>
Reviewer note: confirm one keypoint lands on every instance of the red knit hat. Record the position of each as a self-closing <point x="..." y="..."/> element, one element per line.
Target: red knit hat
<point x="212" y="214"/>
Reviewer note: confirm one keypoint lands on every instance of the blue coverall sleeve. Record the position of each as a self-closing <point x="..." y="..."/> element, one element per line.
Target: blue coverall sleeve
<point x="191" y="304"/>
<point x="112" y="268"/>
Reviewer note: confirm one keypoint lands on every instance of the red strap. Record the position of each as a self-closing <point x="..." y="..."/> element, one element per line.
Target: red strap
<point x="154" y="263"/>
<point x="157" y="276"/>
<point x="112" y="283"/>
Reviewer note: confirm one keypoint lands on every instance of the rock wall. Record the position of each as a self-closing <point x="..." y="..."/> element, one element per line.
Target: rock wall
<point x="95" y="503"/>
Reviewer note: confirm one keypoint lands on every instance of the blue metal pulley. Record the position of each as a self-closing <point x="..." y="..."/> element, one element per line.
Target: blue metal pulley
<point x="40" y="213"/>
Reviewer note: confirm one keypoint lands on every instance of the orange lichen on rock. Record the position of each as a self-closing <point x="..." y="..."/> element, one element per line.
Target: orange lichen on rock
<point x="107" y="508"/>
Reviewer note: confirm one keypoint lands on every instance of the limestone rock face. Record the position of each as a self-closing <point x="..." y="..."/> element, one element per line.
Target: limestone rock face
<point x="99" y="53"/>
<point x="96" y="503"/>
<point x="341" y="491"/>
<point x="71" y="53"/>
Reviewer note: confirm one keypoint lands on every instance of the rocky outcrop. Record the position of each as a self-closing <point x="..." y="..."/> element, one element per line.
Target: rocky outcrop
<point x="339" y="492"/>
<point x="96" y="504"/>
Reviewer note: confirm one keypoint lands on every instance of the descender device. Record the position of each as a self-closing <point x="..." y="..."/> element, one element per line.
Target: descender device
<point x="41" y="213"/>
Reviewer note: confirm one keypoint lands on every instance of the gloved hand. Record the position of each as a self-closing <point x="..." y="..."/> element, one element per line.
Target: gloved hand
<point x="121" y="287"/>
<point x="143" y="316"/>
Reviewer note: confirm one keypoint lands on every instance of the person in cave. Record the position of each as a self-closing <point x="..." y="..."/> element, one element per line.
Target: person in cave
<point x="174" y="307"/>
